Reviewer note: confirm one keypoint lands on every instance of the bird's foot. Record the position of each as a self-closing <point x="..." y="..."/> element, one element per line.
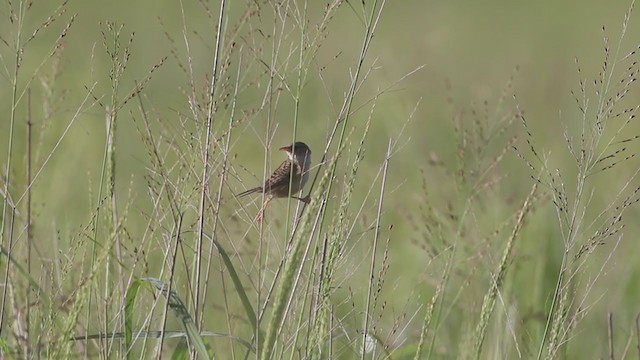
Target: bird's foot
<point x="306" y="199"/>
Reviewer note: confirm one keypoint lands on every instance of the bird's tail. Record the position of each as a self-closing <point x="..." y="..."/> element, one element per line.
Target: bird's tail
<point x="250" y="191"/>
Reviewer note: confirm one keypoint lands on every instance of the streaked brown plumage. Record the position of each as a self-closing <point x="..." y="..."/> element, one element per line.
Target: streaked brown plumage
<point x="277" y="186"/>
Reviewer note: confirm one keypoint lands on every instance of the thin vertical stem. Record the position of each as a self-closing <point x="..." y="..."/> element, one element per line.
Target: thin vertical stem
<point x="29" y="226"/>
<point x="205" y="170"/>
<point x="12" y="121"/>
<point x="610" y="335"/>
<point x="376" y="236"/>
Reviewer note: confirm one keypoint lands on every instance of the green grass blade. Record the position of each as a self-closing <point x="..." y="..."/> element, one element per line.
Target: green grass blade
<point x="167" y="334"/>
<point x="129" y="308"/>
<point x="181" y="352"/>
<point x="180" y="310"/>
<point x="244" y="299"/>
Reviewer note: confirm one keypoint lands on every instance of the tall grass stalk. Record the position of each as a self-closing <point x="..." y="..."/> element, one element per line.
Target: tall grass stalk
<point x="498" y="277"/>
<point x="20" y="79"/>
<point x="6" y="212"/>
<point x="598" y="150"/>
<point x="374" y="248"/>
<point x="205" y="159"/>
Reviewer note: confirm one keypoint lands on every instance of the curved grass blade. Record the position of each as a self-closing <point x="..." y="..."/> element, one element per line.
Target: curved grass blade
<point x="181" y="352"/>
<point x="169" y="334"/>
<point x="32" y="282"/>
<point x="178" y="307"/>
<point x="130" y="301"/>
<point x="244" y="299"/>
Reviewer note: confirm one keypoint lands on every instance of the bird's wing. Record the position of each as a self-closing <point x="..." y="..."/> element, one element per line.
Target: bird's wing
<point x="278" y="182"/>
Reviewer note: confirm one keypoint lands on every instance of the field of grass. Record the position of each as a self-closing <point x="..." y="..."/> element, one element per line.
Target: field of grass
<point x="474" y="193"/>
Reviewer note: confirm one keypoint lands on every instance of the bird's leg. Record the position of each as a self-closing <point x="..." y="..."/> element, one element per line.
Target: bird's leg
<point x="306" y="199"/>
<point x="267" y="200"/>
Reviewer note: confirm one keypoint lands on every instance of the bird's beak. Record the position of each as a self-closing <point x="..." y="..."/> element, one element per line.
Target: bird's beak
<point x="286" y="148"/>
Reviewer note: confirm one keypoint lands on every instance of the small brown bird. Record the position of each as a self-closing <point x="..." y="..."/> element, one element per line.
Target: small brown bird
<point x="277" y="186"/>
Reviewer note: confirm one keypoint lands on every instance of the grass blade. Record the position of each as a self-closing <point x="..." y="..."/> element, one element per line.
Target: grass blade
<point x="179" y="308"/>
<point x="244" y="299"/>
<point x="130" y="301"/>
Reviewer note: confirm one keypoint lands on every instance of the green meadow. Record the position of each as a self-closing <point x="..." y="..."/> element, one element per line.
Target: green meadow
<point x="474" y="191"/>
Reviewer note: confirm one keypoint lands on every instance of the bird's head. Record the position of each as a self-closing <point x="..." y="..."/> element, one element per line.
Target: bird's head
<point x="297" y="150"/>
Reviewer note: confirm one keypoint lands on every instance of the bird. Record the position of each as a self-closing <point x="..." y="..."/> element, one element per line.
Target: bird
<point x="282" y="183"/>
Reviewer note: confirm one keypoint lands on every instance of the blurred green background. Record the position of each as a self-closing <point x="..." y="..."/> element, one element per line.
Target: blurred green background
<point x="466" y="52"/>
